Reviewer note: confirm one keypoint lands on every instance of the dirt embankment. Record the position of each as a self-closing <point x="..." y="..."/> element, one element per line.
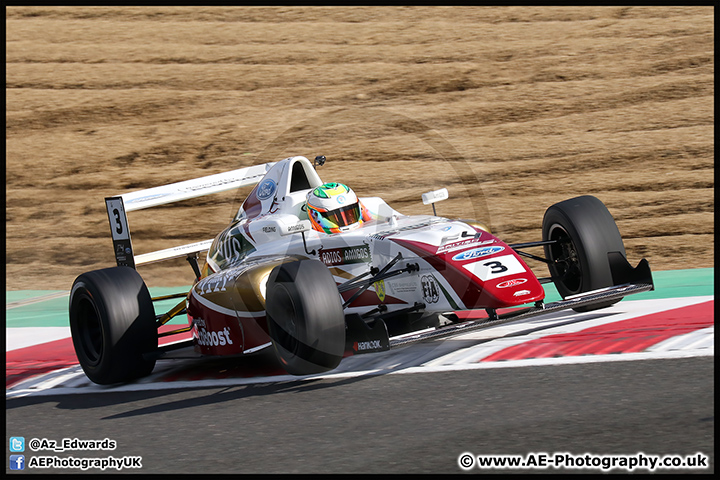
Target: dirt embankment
<point x="513" y="109"/>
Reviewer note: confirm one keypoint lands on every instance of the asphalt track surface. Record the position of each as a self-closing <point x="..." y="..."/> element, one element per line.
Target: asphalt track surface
<point x="414" y="410"/>
<point x="415" y="423"/>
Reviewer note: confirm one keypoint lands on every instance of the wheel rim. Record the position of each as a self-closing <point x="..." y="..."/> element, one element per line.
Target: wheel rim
<point x="90" y="330"/>
<point x="565" y="259"/>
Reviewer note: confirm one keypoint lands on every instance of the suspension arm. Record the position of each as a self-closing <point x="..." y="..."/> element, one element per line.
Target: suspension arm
<point x="517" y="246"/>
<point x="377" y="276"/>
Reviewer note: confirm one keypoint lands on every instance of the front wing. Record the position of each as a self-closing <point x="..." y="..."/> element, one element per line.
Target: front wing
<point x="630" y="281"/>
<point x="589" y="298"/>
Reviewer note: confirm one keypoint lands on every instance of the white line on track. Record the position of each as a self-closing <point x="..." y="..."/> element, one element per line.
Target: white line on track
<point x="80" y="385"/>
<point x="462" y="352"/>
<point x="22" y="337"/>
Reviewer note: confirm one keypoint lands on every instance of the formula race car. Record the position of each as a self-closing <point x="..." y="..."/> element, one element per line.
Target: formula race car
<point x="314" y="272"/>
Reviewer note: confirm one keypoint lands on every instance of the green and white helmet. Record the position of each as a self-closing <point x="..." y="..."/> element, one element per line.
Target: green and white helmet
<point x="334" y="208"/>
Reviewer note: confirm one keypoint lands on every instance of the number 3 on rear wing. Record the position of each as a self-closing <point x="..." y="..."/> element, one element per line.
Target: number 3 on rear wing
<point x="118" y="206"/>
<point x="120" y="233"/>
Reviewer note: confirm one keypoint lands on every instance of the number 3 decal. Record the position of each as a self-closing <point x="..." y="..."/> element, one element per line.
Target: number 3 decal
<point x="117" y="218"/>
<point x="496" y="267"/>
<point x="119" y="228"/>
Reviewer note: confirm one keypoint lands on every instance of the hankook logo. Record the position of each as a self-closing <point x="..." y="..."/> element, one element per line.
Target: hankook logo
<point x="369" y="345"/>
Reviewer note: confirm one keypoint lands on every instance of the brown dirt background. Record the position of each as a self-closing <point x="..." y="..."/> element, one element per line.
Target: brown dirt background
<point x="512" y="108"/>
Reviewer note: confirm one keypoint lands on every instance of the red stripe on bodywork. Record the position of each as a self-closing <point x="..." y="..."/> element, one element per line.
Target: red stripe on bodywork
<point x="252" y="206"/>
<point x="461" y="283"/>
<point x="627" y="336"/>
<point x="472" y="291"/>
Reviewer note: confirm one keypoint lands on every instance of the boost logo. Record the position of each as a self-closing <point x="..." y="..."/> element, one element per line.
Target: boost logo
<point x="213" y="339"/>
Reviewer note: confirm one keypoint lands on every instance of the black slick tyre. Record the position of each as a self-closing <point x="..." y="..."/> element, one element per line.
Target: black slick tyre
<point x="112" y="322"/>
<point x="305" y="317"/>
<point x="585" y="232"/>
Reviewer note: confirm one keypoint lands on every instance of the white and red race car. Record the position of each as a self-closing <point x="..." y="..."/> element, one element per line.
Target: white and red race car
<point x="271" y="281"/>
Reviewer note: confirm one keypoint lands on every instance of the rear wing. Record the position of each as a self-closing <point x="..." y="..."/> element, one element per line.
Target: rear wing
<point x="119" y="206"/>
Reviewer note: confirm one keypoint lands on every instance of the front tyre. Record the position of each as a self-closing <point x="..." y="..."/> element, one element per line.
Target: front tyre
<point x="112" y="322"/>
<point x="305" y="317"/>
<point x="584" y="232"/>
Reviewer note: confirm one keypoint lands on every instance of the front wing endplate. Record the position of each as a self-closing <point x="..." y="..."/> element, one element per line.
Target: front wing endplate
<point x="589" y="298"/>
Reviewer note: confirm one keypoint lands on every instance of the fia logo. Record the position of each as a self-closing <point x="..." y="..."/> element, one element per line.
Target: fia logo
<point x="431" y="289"/>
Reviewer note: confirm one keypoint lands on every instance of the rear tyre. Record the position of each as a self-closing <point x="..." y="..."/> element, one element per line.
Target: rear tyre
<point x="112" y="322"/>
<point x="305" y="317"/>
<point x="586" y="232"/>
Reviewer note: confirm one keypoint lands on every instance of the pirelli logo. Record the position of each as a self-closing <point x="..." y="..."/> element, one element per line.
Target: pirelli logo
<point x="340" y="256"/>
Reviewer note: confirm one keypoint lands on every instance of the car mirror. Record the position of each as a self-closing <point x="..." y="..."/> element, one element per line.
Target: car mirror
<point x="435" y="196"/>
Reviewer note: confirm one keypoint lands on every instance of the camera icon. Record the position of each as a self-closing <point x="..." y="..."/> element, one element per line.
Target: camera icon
<point x="17" y="444"/>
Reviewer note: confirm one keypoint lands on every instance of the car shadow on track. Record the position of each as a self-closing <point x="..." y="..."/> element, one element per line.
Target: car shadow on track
<point x="199" y="396"/>
<point x="263" y="366"/>
<point x="264" y="374"/>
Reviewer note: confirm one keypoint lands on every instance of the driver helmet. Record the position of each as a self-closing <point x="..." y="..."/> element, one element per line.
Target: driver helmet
<point x="334" y="208"/>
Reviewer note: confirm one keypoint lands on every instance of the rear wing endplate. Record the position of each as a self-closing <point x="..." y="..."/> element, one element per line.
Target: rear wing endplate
<point x="118" y="206"/>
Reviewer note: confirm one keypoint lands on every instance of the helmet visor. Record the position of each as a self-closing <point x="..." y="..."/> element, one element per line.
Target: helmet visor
<point x="344" y="216"/>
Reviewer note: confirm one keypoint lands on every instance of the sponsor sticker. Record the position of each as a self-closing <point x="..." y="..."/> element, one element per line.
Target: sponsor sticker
<point x="459" y="245"/>
<point x="496" y="267"/>
<point x="400" y="287"/>
<point x="266" y="189"/>
<point x="476" y="253"/>
<point x="512" y="283"/>
<point x="367" y="345"/>
<point x="431" y="289"/>
<point x="380" y="289"/>
<point x="216" y="283"/>
<point x="213" y="339"/>
<point x="298" y="227"/>
<point x="340" y="256"/>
